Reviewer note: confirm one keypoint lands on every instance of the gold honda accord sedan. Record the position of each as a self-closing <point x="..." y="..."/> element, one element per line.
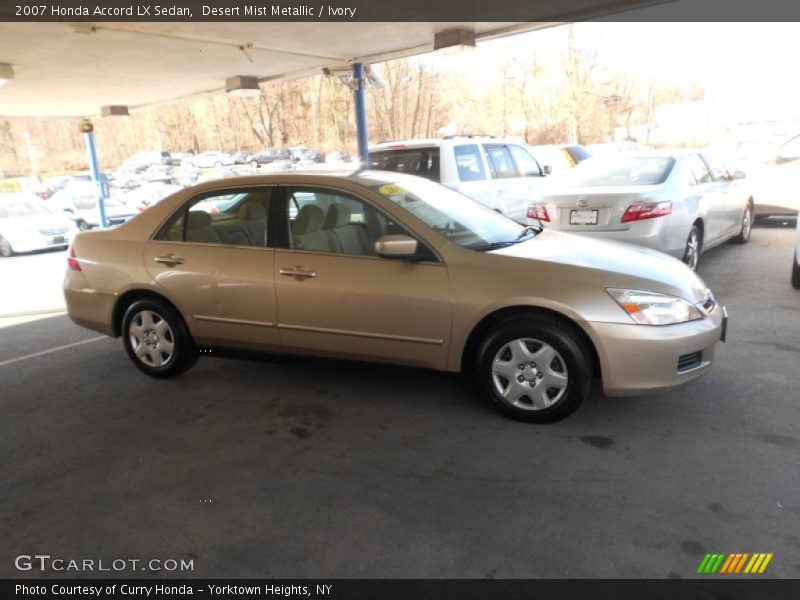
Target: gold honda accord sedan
<point x="396" y="269"/>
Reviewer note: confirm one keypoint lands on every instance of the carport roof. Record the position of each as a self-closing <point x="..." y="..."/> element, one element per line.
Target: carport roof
<point x="72" y="69"/>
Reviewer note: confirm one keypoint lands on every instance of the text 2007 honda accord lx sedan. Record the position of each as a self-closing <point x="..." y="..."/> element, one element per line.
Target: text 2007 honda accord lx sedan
<point x="389" y="268"/>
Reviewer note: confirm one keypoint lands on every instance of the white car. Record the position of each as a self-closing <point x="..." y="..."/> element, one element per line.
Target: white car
<point x="796" y="265"/>
<point x="79" y="202"/>
<point x="27" y="225"/>
<point x="498" y="173"/>
<point x="207" y="160"/>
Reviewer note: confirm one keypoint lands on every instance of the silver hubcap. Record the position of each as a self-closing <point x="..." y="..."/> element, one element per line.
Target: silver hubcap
<point x="692" y="247"/>
<point x="529" y="374"/>
<point x="151" y="338"/>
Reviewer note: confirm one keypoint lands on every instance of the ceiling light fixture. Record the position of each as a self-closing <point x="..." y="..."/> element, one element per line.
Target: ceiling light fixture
<point x="114" y="111"/>
<point x="459" y="38"/>
<point x="242" y="86"/>
<point x="6" y="73"/>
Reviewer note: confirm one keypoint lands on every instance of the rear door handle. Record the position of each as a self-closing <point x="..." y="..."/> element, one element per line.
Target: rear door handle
<point x="170" y="260"/>
<point x="300" y="272"/>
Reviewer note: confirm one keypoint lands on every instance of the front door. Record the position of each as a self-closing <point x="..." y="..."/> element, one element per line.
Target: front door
<point x="336" y="297"/>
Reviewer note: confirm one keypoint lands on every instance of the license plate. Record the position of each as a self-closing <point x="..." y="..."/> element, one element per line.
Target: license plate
<point x="583" y="217"/>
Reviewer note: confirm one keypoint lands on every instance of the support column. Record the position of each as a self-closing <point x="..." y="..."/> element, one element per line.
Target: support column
<point x="100" y="187"/>
<point x="360" y="103"/>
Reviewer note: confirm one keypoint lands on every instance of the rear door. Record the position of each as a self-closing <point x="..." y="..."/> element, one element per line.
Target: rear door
<point x="711" y="197"/>
<point x="214" y="261"/>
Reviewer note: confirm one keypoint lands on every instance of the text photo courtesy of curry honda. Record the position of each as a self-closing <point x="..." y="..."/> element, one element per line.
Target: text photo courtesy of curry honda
<point x="283" y="282"/>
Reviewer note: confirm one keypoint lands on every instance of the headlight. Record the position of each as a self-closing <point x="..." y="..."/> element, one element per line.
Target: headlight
<point x="650" y="308"/>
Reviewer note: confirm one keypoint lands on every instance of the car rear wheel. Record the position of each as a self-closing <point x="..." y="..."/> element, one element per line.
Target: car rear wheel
<point x="694" y="245"/>
<point x="534" y="369"/>
<point x="747" y="225"/>
<point x="5" y="247"/>
<point x="254" y="164"/>
<point x="156" y="339"/>
<point x="796" y="274"/>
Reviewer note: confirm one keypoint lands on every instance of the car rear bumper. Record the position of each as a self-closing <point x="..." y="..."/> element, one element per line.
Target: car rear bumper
<point x="645" y="359"/>
<point x="86" y="306"/>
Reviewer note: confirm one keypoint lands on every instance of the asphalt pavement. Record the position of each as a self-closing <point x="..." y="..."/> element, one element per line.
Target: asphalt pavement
<point x="272" y="467"/>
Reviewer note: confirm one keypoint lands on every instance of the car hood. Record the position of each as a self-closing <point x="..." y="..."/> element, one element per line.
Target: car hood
<point x="611" y="264"/>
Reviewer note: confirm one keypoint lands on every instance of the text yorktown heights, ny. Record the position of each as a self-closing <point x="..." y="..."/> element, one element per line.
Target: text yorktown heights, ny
<point x="276" y="11"/>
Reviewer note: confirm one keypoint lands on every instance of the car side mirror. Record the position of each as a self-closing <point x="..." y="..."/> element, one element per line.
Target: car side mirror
<point x="547" y="169"/>
<point x="396" y="246"/>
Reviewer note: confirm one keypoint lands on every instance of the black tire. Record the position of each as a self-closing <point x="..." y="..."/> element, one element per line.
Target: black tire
<point x="83" y="225"/>
<point x="795" y="273"/>
<point x="5" y="248"/>
<point x="254" y="164"/>
<point x="747" y="225"/>
<point x="691" y="253"/>
<point x="184" y="351"/>
<point x="573" y="358"/>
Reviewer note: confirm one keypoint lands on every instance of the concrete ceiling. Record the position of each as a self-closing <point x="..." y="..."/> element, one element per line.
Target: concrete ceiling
<point x="71" y="70"/>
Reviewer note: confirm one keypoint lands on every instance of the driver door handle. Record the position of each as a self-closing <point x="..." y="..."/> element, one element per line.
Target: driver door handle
<point x="170" y="260"/>
<point x="300" y="272"/>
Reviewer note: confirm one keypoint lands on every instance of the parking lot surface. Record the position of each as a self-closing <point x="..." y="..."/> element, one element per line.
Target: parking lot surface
<point x="281" y="467"/>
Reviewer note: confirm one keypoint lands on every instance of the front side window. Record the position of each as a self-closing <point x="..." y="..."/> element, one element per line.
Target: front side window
<point x="230" y="218"/>
<point x="526" y="164"/>
<point x="500" y="160"/>
<point x="699" y="169"/>
<point x="323" y="220"/>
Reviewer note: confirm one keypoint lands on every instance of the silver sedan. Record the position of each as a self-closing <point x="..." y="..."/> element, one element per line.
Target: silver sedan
<point x="673" y="202"/>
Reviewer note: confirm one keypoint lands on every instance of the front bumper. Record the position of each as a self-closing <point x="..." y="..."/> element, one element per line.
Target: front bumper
<point x="645" y="359"/>
<point x="38" y="241"/>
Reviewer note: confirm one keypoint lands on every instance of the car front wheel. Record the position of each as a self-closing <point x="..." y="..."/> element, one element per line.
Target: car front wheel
<point x="796" y="274"/>
<point x="156" y="339"/>
<point x="534" y="369"/>
<point x="747" y="225"/>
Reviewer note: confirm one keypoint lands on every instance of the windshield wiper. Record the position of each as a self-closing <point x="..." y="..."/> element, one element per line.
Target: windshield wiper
<point x="529" y="230"/>
<point x="493" y="246"/>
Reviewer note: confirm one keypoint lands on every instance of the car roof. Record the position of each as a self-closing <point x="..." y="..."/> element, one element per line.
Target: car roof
<point x="436" y="142"/>
<point x="365" y="178"/>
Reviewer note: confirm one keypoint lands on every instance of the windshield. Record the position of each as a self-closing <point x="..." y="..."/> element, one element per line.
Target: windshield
<point x="456" y="217"/>
<point x="622" y="171"/>
<point x="11" y="209"/>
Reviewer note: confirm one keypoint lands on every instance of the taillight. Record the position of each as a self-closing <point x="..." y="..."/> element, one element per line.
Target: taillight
<point x="538" y="211"/>
<point x="72" y="261"/>
<point x="646" y="210"/>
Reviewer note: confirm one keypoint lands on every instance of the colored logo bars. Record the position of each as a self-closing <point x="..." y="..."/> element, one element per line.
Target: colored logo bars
<point x="742" y="562"/>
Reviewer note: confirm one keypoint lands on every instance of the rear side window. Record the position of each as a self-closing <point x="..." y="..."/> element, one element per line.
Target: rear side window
<point x="501" y="163"/>
<point x="229" y="218"/>
<point x="423" y="162"/>
<point x="469" y="163"/>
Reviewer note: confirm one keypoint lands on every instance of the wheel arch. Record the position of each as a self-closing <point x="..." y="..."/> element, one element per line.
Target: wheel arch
<point x="131" y="296"/>
<point x="508" y="313"/>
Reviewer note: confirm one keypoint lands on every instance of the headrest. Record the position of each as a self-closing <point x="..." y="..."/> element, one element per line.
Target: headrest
<point x="309" y="219"/>
<point x="338" y="215"/>
<point x="198" y="219"/>
<point x="252" y="211"/>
